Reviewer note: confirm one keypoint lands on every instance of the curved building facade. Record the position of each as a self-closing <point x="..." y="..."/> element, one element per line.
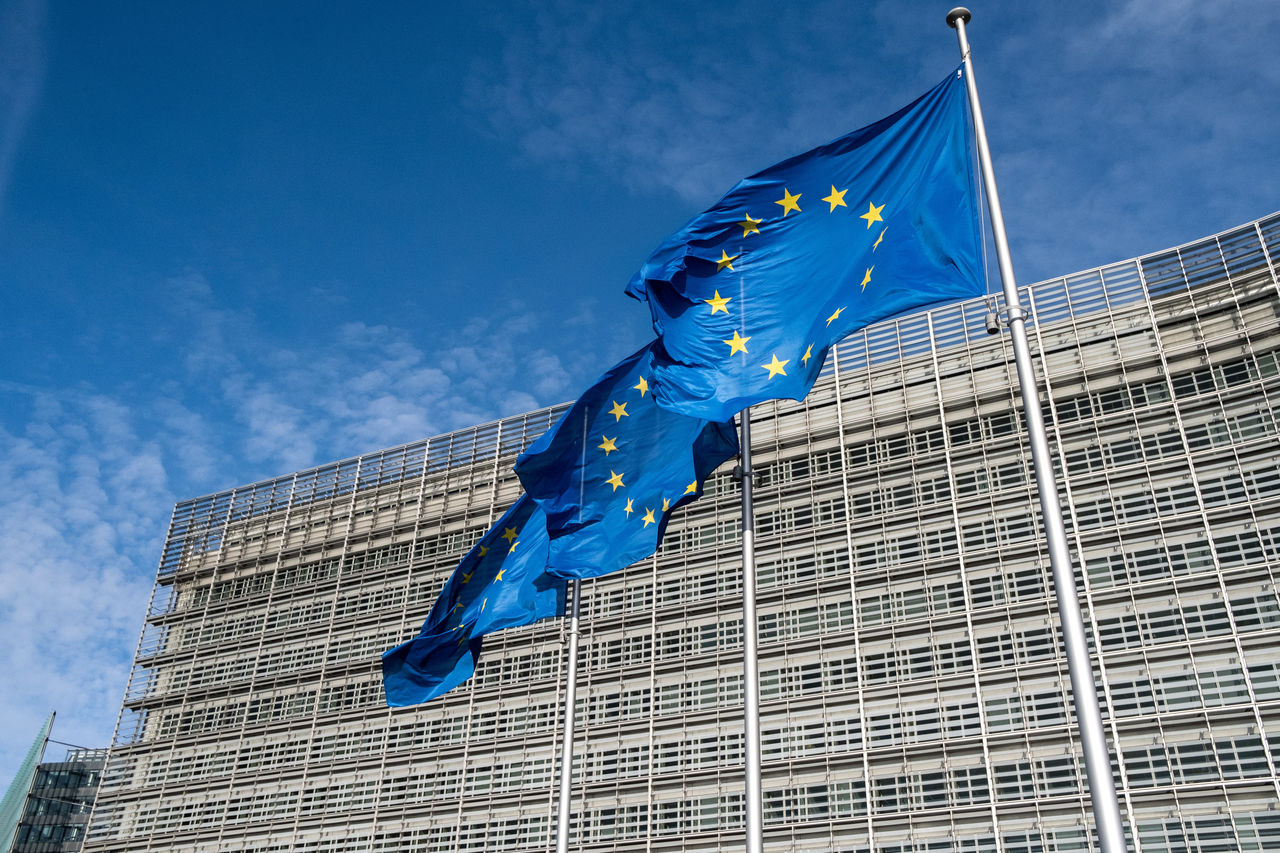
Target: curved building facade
<point x="914" y="693"/>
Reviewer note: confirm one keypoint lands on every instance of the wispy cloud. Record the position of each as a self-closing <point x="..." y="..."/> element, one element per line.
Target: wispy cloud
<point x="84" y="501"/>
<point x="1141" y="132"/>
<point x="22" y="68"/>
<point x="359" y="387"/>
<point x="596" y="86"/>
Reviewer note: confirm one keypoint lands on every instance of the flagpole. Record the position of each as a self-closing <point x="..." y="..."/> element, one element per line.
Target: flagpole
<point x="570" y="705"/>
<point x="1102" y="792"/>
<point x="750" y="654"/>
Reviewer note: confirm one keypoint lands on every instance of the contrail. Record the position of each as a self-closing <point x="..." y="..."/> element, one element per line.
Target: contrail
<point x="22" y="67"/>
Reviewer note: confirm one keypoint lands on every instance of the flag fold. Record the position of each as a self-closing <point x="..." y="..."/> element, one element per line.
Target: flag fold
<point x="610" y="472"/>
<point x="501" y="583"/>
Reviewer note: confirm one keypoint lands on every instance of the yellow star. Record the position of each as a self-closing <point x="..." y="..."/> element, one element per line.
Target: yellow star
<point x="775" y="367"/>
<point x="866" y="279"/>
<point x="872" y="214"/>
<point x="789" y="202"/>
<point x="498" y="576"/>
<point x="666" y="504"/>
<point x="804" y="359"/>
<point x="459" y="627"/>
<point x="836" y="199"/>
<point x="751" y="226"/>
<point x="509" y="534"/>
<point x="833" y="317"/>
<point x="627" y="509"/>
<point x="466" y="577"/>
<point x="615" y="480"/>
<point x="876" y="244"/>
<point x="648" y="517"/>
<point x="609" y="445"/>
<point x="619" y="411"/>
<point x="726" y="262"/>
<point x="482" y="604"/>
<point x="513" y="546"/>
<point x="691" y="488"/>
<point x="642" y="386"/>
<point x="484" y="549"/>
<point x="737" y="343"/>
<point x="718" y="303"/>
<point x="457" y="605"/>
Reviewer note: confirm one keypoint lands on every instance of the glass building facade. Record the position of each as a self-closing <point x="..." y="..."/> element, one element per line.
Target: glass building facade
<point x="14" y="802"/>
<point x="58" y="803"/>
<point x="914" y="694"/>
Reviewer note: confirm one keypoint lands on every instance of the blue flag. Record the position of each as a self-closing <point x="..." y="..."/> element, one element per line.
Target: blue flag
<point x="501" y="583"/>
<point x="428" y="666"/>
<point x="748" y="297"/>
<point x="610" y="472"/>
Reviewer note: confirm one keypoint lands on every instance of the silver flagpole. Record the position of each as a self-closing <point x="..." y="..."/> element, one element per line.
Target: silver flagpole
<point x="1097" y="760"/>
<point x="750" y="655"/>
<point x="570" y="701"/>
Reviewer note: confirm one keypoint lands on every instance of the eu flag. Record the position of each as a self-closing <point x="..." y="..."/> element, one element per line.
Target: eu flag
<point x="748" y="297"/>
<point x="501" y="583"/>
<point x="610" y="472"/>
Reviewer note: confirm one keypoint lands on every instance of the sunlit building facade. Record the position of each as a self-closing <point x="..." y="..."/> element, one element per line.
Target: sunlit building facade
<point x="914" y="695"/>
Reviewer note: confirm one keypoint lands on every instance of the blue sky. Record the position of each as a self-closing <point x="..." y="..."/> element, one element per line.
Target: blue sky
<point x="239" y="239"/>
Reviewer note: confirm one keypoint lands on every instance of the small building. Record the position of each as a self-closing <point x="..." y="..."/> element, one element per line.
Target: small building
<point x="47" y="807"/>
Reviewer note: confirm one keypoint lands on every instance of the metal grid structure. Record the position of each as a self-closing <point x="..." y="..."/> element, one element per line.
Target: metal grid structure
<point x="913" y="688"/>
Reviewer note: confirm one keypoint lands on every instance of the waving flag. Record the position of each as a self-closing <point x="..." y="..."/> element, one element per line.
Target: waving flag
<point x="501" y="583"/>
<point x="748" y="297"/>
<point x="610" y="472"/>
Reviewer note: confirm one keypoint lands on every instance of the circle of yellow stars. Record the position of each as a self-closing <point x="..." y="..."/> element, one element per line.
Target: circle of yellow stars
<point x="790" y="203"/>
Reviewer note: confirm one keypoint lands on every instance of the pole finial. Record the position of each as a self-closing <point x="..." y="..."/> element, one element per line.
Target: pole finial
<point x="959" y="13"/>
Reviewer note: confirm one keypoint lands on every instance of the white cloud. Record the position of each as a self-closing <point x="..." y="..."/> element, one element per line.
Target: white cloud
<point x="359" y="387"/>
<point x="84" y="505"/>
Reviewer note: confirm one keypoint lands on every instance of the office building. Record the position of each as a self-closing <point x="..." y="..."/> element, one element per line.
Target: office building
<point x="46" y="808"/>
<point x="914" y="692"/>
